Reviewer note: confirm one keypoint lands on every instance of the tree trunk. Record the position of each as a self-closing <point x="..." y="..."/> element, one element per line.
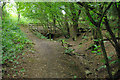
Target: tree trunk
<point x="117" y="45"/>
<point x="0" y="13"/>
<point x="54" y="23"/>
<point x="2" y="9"/>
<point x="75" y="19"/>
<point x="104" y="53"/>
<point x="67" y="27"/>
<point x="118" y="10"/>
<point x="95" y="36"/>
<point x="97" y="24"/>
<point x="18" y="16"/>
<point x="66" y="24"/>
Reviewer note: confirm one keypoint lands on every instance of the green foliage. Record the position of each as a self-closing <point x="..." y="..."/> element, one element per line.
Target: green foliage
<point x="63" y="41"/>
<point x="84" y="37"/>
<point x="113" y="62"/>
<point x="39" y="35"/>
<point x="110" y="59"/>
<point x="13" y="41"/>
<point x="75" y="77"/>
<point x="46" y="13"/>
<point x="104" y="66"/>
<point x="22" y="70"/>
<point x="96" y="50"/>
<point x="69" y="50"/>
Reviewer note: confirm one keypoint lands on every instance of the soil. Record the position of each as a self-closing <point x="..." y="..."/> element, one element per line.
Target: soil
<point x="48" y="60"/>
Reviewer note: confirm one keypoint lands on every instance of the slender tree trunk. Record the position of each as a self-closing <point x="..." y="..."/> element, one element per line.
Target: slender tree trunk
<point x="119" y="24"/>
<point x="54" y="23"/>
<point x="0" y="14"/>
<point x="75" y="19"/>
<point x="66" y="23"/>
<point x="18" y="11"/>
<point x="18" y="16"/>
<point x="118" y="10"/>
<point x="73" y="30"/>
<point x="67" y="27"/>
<point x="102" y="44"/>
<point x="97" y="24"/>
<point x="104" y="53"/>
<point x="3" y="10"/>
<point x="0" y="10"/>
<point x="95" y="36"/>
<point x="117" y="45"/>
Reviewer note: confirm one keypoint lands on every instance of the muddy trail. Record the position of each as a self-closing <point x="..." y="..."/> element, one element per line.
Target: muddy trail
<point x="48" y="60"/>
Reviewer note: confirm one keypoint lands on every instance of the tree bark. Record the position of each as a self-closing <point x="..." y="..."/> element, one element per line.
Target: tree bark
<point x="4" y="3"/>
<point x="104" y="53"/>
<point x="97" y="24"/>
<point x="18" y="16"/>
<point x="117" y="45"/>
<point x="75" y="19"/>
<point x="54" y="23"/>
<point x="118" y="10"/>
<point x="67" y="27"/>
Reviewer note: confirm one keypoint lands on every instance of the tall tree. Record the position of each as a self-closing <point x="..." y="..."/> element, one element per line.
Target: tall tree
<point x="117" y="5"/>
<point x="75" y="17"/>
<point x="97" y="23"/>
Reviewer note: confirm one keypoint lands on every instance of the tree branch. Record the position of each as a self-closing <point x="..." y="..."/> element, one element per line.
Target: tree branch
<point x="91" y="8"/>
<point x="87" y="12"/>
<point x="105" y="12"/>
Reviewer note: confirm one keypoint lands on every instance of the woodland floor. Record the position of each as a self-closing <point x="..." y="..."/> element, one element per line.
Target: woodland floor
<point x="49" y="61"/>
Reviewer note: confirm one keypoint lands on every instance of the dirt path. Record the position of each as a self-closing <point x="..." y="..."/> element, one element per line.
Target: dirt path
<point x="48" y="60"/>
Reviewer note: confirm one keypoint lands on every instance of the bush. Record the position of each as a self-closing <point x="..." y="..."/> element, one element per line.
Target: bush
<point x="13" y="41"/>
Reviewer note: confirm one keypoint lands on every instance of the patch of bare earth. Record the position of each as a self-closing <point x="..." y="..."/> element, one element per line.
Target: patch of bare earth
<point x="48" y="60"/>
<point x="91" y="62"/>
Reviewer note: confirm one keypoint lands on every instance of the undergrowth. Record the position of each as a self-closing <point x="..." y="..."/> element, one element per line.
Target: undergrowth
<point x="13" y="42"/>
